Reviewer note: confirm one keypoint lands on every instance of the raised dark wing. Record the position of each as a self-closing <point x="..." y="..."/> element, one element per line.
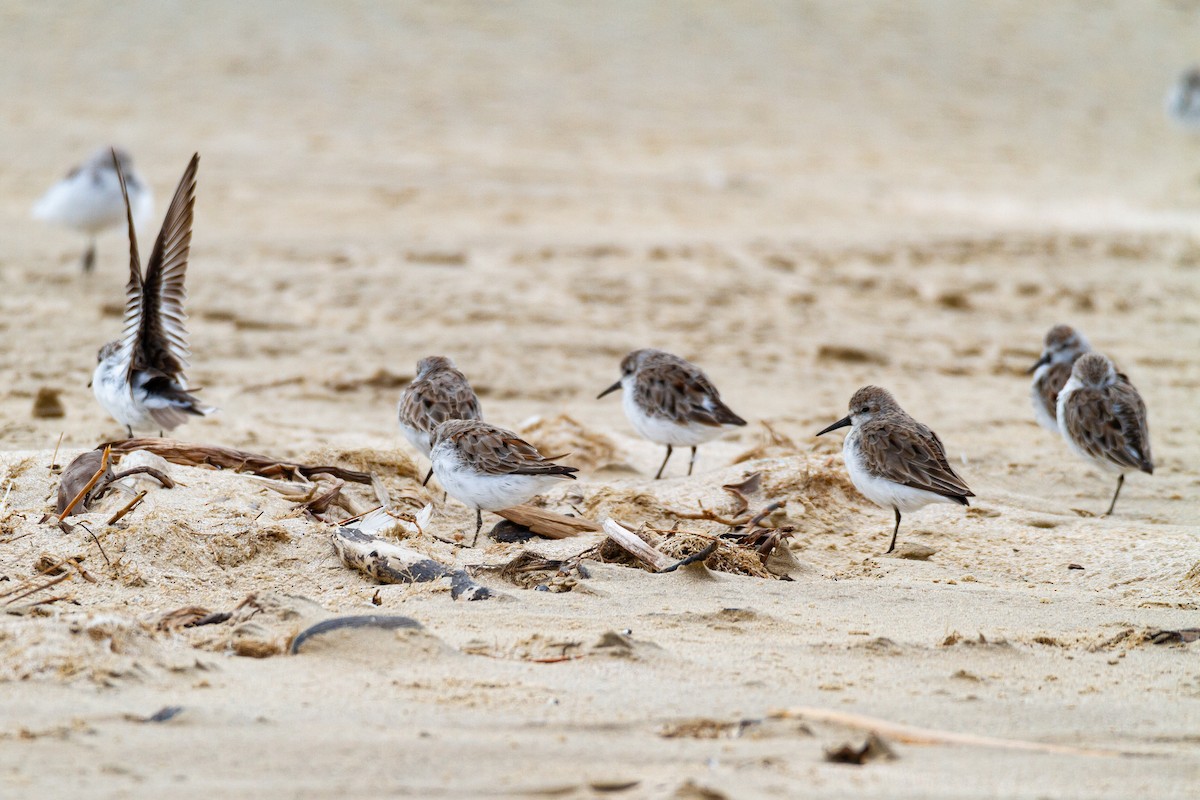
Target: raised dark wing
<point x="444" y="395"/>
<point x="498" y="452"/>
<point x="155" y="331"/>
<point x="680" y="391"/>
<point x="911" y="455"/>
<point x="1110" y="424"/>
<point x="133" y="289"/>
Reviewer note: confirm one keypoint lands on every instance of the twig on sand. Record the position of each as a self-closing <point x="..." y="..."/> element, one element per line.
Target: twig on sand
<point x="911" y="734"/>
<point x="35" y="589"/>
<point x="97" y="541"/>
<point x="706" y="514"/>
<point x="54" y="457"/>
<point x="132" y="504"/>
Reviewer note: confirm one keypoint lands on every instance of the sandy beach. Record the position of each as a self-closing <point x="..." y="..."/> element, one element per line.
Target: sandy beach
<point x="801" y="199"/>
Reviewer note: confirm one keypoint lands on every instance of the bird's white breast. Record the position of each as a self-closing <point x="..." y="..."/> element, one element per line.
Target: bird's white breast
<point x="115" y="395"/>
<point x="90" y="201"/>
<point x="663" y="430"/>
<point x="476" y="489"/>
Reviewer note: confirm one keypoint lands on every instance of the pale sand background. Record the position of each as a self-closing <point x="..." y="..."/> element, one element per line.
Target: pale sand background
<point x="534" y="189"/>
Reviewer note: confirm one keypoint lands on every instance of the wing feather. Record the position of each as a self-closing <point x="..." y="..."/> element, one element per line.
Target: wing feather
<point x="155" y="332"/>
<point x="444" y="395"/>
<point x="1110" y="424"/>
<point x="497" y="451"/>
<point x="910" y="454"/>
<point x="678" y="390"/>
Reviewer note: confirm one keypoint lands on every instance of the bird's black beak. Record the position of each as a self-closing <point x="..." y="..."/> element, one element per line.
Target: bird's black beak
<point x="841" y="423"/>
<point x="610" y="389"/>
<point x="1041" y="362"/>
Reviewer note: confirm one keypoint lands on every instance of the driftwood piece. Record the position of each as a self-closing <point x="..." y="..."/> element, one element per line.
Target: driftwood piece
<point x="911" y="734"/>
<point x="633" y="544"/>
<point x="197" y="455"/>
<point x="385" y="562"/>
<point x="547" y="523"/>
<point x="647" y="553"/>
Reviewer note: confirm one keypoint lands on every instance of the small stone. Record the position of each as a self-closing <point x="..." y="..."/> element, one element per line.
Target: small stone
<point x="914" y="552"/>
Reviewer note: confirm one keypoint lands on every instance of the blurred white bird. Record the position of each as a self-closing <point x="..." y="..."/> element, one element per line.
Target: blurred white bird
<point x="1183" y="100"/>
<point x="89" y="199"/>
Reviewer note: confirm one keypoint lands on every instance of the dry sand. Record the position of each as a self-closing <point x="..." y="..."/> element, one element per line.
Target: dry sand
<point x="535" y="189"/>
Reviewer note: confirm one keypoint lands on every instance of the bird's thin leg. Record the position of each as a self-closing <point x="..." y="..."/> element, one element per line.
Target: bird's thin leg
<point x="160" y="433"/>
<point x="89" y="256"/>
<point x="692" y="463"/>
<point x="664" y="464"/>
<point x="892" y="546"/>
<point x="428" y="475"/>
<point x="129" y="430"/>
<point x="478" y="525"/>
<point x="1120" y="483"/>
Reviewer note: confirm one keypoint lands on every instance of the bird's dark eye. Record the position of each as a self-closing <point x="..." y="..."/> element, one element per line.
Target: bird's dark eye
<point x="865" y="409"/>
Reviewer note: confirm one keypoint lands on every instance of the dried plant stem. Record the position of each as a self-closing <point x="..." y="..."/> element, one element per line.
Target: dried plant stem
<point x="132" y="504"/>
<point x="911" y="734"/>
<point x="46" y="585"/>
<point x="54" y="457"/>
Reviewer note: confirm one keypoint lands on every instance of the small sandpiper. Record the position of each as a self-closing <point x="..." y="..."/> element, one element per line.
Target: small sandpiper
<point x="139" y="378"/>
<point x="671" y="401"/>
<point x="1062" y="347"/>
<point x="488" y="468"/>
<point x="438" y="392"/>
<point x="90" y="198"/>
<point x="1103" y="419"/>
<point x="893" y="459"/>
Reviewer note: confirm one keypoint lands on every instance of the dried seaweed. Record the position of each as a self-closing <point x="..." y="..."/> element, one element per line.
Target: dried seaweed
<point x="665" y="551"/>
